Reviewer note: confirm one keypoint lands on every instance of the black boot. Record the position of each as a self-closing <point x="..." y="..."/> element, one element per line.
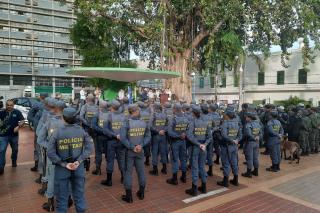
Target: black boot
<point x="140" y="193"/>
<point x="203" y="188"/>
<point x="147" y="162"/>
<point x="43" y="189"/>
<point x="70" y="202"/>
<point x="173" y="180"/>
<point x="87" y="164"/>
<point x="217" y="160"/>
<point x="183" y="177"/>
<point x="255" y="172"/>
<point x="35" y="168"/>
<point x="193" y="191"/>
<point x="235" y="181"/>
<point x="108" y="181"/>
<point x="278" y="167"/>
<point x="210" y="171"/>
<point x="49" y="206"/>
<point x="154" y="171"/>
<point x="1" y="171"/>
<point x="164" y="169"/>
<point x="97" y="171"/>
<point x="128" y="196"/>
<point x="247" y="174"/>
<point x="272" y="168"/>
<point x="14" y="163"/>
<point x="224" y="182"/>
<point x="38" y="180"/>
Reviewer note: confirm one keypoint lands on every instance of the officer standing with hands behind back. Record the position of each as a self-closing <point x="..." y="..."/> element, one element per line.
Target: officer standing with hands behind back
<point x="68" y="148"/>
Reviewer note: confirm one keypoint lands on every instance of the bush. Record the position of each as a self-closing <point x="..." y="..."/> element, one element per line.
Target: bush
<point x="293" y="101"/>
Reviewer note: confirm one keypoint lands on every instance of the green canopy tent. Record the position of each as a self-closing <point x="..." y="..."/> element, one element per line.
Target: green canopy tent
<point x="121" y="76"/>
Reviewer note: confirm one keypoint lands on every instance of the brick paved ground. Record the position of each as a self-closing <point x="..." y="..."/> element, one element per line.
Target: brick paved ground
<point x="18" y="191"/>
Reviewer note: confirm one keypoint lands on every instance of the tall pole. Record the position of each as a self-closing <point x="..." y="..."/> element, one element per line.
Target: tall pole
<point x="193" y="86"/>
<point x="240" y="85"/>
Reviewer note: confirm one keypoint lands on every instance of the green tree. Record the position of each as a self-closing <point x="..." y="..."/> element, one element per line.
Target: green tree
<point x="189" y="26"/>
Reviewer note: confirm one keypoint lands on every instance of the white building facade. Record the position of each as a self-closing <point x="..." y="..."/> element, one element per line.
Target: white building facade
<point x="274" y="83"/>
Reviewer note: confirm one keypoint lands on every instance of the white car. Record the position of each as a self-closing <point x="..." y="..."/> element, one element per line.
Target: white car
<point x="24" y="105"/>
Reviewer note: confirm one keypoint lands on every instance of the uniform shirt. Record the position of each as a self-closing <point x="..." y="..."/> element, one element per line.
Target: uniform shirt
<point x="199" y="132"/>
<point x="230" y="130"/>
<point x="99" y="121"/>
<point x="274" y="128"/>
<point x="69" y="143"/>
<point x="177" y="126"/>
<point x="158" y="122"/>
<point x="87" y="112"/>
<point x="114" y="123"/>
<point x="135" y="132"/>
<point x="48" y="128"/>
<point x="9" y="121"/>
<point x="253" y="130"/>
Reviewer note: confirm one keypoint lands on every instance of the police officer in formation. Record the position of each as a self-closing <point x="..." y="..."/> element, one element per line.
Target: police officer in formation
<point x="200" y="136"/>
<point x="115" y="150"/>
<point x="69" y="146"/>
<point x="134" y="135"/>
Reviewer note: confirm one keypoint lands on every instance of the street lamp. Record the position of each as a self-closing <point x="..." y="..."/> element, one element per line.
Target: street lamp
<point x="193" y="74"/>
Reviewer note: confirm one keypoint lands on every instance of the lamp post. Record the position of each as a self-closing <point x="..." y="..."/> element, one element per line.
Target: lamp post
<point x="193" y="74"/>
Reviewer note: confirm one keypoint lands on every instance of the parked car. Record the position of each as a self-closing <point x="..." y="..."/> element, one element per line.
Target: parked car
<point x="24" y="105"/>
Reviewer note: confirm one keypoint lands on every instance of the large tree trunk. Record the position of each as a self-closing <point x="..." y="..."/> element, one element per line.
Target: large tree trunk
<point x="181" y="87"/>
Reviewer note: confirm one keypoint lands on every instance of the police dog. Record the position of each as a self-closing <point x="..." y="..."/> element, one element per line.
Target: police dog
<point x="293" y="148"/>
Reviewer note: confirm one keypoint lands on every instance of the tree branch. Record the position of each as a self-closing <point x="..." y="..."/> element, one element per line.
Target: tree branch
<point x="203" y="34"/>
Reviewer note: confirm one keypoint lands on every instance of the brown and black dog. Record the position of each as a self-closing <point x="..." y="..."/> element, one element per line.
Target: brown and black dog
<point x="293" y="148"/>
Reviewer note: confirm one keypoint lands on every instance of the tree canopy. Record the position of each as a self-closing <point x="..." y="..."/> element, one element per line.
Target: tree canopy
<point x="198" y="34"/>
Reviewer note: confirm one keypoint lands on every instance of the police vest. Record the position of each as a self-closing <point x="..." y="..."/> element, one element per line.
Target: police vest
<point x="216" y="118"/>
<point x="70" y="141"/>
<point x="233" y="129"/>
<point x="207" y="118"/>
<point x="102" y="119"/>
<point x="117" y="120"/>
<point x="91" y="111"/>
<point x="276" y="126"/>
<point x="200" y="130"/>
<point x="169" y="112"/>
<point x="53" y="124"/>
<point x="160" y="121"/>
<point x="255" y="128"/>
<point x="181" y="124"/>
<point x="136" y="131"/>
<point x="145" y="116"/>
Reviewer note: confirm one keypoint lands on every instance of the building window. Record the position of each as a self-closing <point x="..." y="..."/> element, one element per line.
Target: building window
<point x="260" y="78"/>
<point x="63" y="82"/>
<point x="280" y="77"/>
<point x="303" y="76"/>
<point x="22" y="80"/>
<point x="43" y="81"/>
<point x="223" y="81"/>
<point x="236" y="79"/>
<point x="212" y="81"/>
<point x="79" y="82"/>
<point x="201" y="82"/>
<point x="4" y="79"/>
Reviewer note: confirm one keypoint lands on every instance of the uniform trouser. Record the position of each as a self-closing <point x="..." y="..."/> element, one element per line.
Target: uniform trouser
<point x="4" y="141"/>
<point x="216" y="147"/>
<point x="209" y="156"/>
<point x="251" y="151"/>
<point x="198" y="165"/>
<point x="312" y="139"/>
<point x="229" y="159"/>
<point x="63" y="178"/>
<point x="50" y="177"/>
<point x="159" y="146"/>
<point x="44" y="162"/>
<point x="134" y="160"/>
<point x="304" y="141"/>
<point x="99" y="145"/>
<point x="115" y="150"/>
<point x="179" y="152"/>
<point x="189" y="152"/>
<point x="36" y="148"/>
<point x="275" y="152"/>
<point x="147" y="150"/>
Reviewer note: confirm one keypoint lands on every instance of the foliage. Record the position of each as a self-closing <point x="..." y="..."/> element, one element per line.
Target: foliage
<point x="293" y="101"/>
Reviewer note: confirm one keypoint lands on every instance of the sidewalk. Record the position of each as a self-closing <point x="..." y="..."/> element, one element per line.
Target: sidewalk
<point x="294" y="189"/>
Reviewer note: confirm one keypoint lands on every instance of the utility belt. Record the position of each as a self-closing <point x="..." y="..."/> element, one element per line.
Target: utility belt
<point x="228" y="144"/>
<point x="174" y="140"/>
<point x="70" y="160"/>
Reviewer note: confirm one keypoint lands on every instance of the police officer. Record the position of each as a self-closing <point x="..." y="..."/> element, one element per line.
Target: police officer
<point x="34" y="116"/>
<point x="252" y="133"/>
<point x="114" y="123"/>
<point x="10" y="121"/>
<point x="177" y="129"/>
<point x="98" y="123"/>
<point x="304" y="132"/>
<point x="231" y="135"/>
<point x="145" y="115"/>
<point x="199" y="135"/>
<point x="313" y="130"/>
<point x="275" y="132"/>
<point x="87" y="112"/>
<point x="216" y="134"/>
<point x="50" y="126"/>
<point x="168" y="109"/>
<point x="68" y="147"/>
<point x="134" y="135"/>
<point x="159" y="144"/>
